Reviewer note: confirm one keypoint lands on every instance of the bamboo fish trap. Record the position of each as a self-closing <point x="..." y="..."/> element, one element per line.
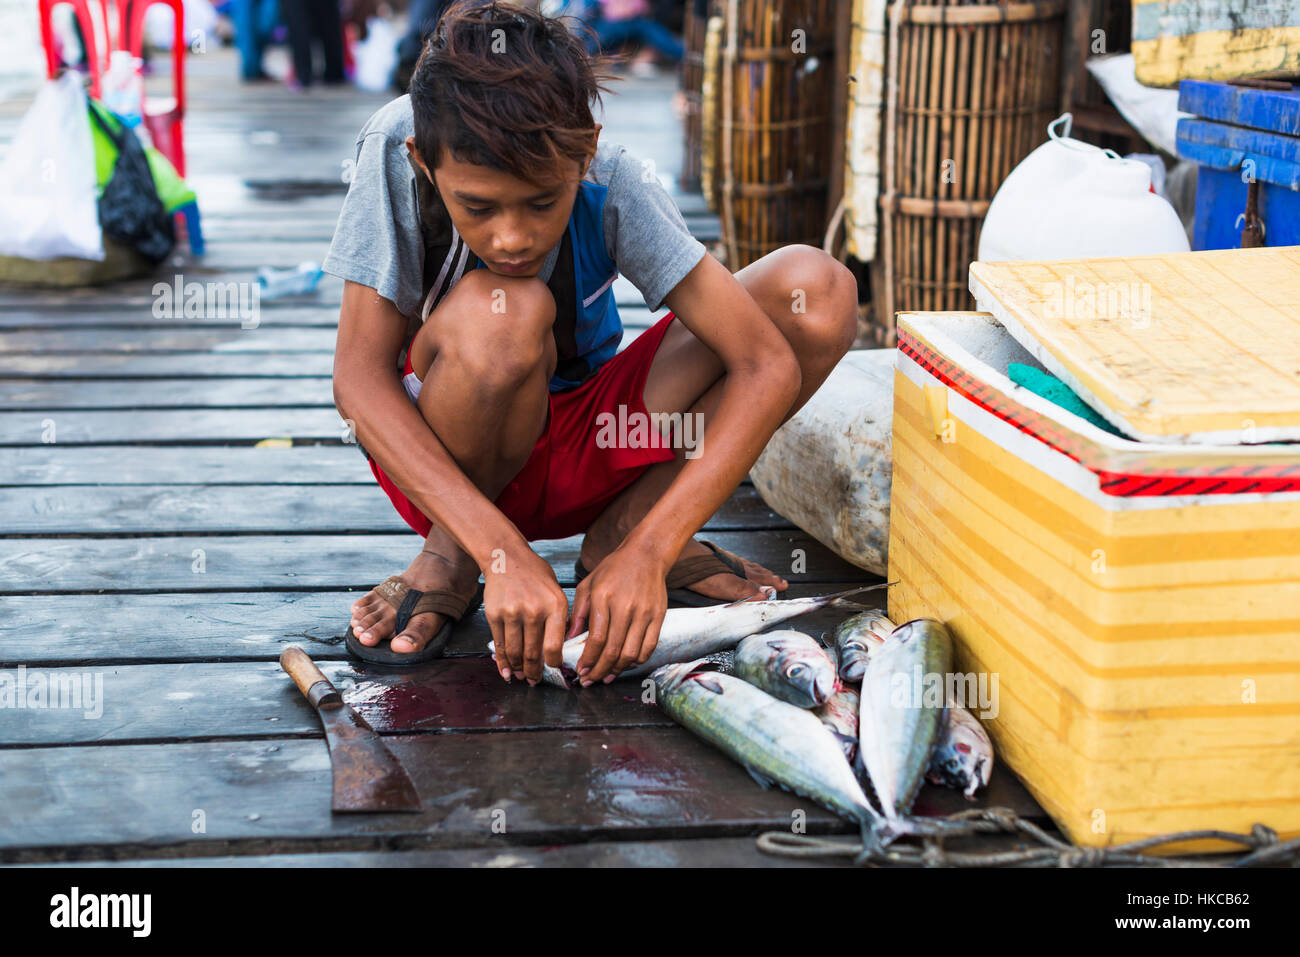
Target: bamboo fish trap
<point x="695" y="25"/>
<point x="773" y="170"/>
<point x="970" y="91"/>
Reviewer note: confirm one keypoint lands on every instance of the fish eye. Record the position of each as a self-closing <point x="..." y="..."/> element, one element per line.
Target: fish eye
<point x="795" y="670"/>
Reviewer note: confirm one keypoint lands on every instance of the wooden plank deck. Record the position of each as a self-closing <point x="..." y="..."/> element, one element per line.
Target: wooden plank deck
<point x="147" y="542"/>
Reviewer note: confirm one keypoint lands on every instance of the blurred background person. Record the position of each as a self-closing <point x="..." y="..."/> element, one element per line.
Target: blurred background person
<point x="254" y="21"/>
<point x="310" y="20"/>
<point x="421" y="18"/>
<point x="619" y="22"/>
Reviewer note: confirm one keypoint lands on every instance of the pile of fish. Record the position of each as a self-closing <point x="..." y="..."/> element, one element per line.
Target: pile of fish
<point x="818" y="720"/>
<point x="789" y="712"/>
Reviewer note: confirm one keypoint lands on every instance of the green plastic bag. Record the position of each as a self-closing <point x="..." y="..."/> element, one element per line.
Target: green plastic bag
<point x="172" y="190"/>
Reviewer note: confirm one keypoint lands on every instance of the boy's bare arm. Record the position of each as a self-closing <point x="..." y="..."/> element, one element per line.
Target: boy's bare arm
<point x="762" y="382"/>
<point x="368" y="391"/>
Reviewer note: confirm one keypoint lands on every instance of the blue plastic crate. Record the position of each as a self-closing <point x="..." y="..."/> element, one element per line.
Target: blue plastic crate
<point x="1237" y="133"/>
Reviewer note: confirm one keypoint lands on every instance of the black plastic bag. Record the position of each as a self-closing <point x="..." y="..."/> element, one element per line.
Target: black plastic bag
<point x="129" y="208"/>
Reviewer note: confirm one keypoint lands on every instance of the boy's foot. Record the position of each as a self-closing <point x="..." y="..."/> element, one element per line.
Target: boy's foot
<point x="373" y="618"/>
<point x="723" y="586"/>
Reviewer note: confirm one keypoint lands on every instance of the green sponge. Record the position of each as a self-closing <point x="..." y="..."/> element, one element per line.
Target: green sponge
<point x="1058" y="393"/>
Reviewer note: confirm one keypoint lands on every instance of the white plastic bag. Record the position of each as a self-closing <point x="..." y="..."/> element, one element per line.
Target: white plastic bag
<point x="376" y="56"/>
<point x="1152" y="112"/>
<point x="48" y="196"/>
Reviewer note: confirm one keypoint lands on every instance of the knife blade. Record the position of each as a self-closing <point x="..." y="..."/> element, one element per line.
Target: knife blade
<point x="367" y="777"/>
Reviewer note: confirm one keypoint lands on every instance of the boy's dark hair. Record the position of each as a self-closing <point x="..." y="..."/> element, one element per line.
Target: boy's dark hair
<point x="503" y="86"/>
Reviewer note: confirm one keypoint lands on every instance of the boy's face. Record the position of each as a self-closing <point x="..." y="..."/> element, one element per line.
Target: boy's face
<point x="509" y="223"/>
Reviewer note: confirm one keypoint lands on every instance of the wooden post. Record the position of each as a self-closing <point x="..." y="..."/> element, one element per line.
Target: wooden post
<point x="839" y="102"/>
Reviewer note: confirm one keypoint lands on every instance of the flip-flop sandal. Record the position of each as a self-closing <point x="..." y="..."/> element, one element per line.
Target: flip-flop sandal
<point x="410" y="602"/>
<point x="688" y="571"/>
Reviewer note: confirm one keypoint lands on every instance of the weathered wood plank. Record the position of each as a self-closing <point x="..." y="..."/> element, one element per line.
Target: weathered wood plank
<point x="128" y="510"/>
<point x="546" y="787"/>
<point x="139" y="292"/>
<point x="80" y="339"/>
<point x="98" y="427"/>
<point x="63" y="630"/>
<point x="54" y="395"/>
<point x="113" y="366"/>
<point x="222" y="562"/>
<point x="184" y="465"/>
<point x="165" y="702"/>
<point x="269" y="314"/>
<point x="187" y="465"/>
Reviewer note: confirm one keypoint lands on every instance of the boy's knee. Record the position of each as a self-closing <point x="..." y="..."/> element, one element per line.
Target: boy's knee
<point x="829" y="320"/>
<point x="497" y="328"/>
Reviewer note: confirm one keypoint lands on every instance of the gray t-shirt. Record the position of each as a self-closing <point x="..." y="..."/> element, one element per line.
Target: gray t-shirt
<point x="388" y="218"/>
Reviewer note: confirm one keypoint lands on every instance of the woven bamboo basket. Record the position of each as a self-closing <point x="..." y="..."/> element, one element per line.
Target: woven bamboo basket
<point x="970" y="91"/>
<point x="694" y="28"/>
<point x="777" y="67"/>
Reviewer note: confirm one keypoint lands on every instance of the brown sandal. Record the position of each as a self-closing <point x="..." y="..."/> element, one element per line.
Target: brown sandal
<point x="688" y="571"/>
<point x="410" y="602"/>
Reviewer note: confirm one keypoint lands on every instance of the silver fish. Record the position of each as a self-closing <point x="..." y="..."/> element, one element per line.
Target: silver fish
<point x="854" y="639"/>
<point x="776" y="742"/>
<point x="690" y="633"/>
<point x="788" y="665"/>
<point x="840" y="713"/>
<point x="898" y="726"/>
<point x="963" y="755"/>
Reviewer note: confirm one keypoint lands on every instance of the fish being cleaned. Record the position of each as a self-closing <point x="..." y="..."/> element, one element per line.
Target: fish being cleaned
<point x="898" y="723"/>
<point x="774" y="741"/>
<point x="840" y="713"/>
<point x="788" y="665"/>
<point x="854" y="639"/>
<point x="690" y="633"/>
<point x="963" y="755"/>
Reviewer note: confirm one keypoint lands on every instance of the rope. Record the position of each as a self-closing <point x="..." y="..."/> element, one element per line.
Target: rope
<point x="885" y="844"/>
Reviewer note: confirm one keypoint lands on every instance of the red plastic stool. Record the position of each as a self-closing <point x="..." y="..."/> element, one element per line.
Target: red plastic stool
<point x="162" y="116"/>
<point x="81" y="10"/>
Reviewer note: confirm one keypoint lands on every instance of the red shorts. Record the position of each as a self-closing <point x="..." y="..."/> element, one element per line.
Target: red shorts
<point x="575" y="470"/>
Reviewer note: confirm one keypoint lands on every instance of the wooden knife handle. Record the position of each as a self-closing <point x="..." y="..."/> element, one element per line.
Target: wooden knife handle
<point x="309" y="679"/>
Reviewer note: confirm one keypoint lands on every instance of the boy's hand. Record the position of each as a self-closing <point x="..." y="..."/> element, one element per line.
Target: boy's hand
<point x="622" y="603"/>
<point x="526" y="610"/>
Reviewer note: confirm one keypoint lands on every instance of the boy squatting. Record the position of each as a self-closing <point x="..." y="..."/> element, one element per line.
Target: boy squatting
<point x="477" y="356"/>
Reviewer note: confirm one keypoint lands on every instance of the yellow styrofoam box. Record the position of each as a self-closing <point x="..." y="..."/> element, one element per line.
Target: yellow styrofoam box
<point x="1176" y="40"/>
<point x="1146" y="647"/>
